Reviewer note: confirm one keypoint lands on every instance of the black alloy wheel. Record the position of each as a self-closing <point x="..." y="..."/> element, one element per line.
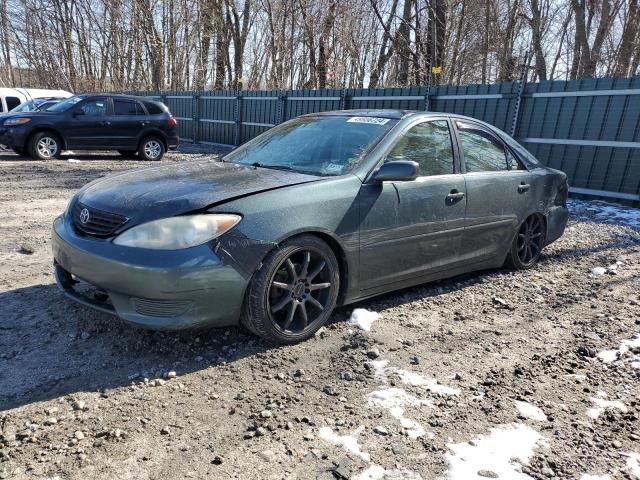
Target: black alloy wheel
<point x="299" y="291"/>
<point x="294" y="292"/>
<point x="528" y="243"/>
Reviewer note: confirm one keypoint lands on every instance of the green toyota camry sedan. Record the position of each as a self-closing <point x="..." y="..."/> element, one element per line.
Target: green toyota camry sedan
<point x="323" y="210"/>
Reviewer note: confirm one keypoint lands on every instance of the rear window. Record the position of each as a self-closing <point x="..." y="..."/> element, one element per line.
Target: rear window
<point x="153" y="108"/>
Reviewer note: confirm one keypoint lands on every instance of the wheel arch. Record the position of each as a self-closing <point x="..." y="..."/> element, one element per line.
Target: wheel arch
<point x="46" y="128"/>
<point x="154" y="133"/>
<point x="338" y="249"/>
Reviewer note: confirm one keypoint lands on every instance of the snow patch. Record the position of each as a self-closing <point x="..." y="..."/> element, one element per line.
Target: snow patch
<point x="606" y="212"/>
<point x="363" y="318"/>
<point x="601" y="404"/>
<point x="73" y="160"/>
<point x="608" y="356"/>
<point x="633" y="463"/>
<point x="503" y="451"/>
<point x="395" y="400"/>
<point x="430" y="384"/>
<point x="348" y="442"/>
<point x="598" y="270"/>
<point x="382" y="369"/>
<point x="376" y="472"/>
<point x="586" y="476"/>
<point x="530" y="411"/>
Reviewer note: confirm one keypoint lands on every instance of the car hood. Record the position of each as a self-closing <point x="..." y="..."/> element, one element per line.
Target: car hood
<point x="158" y="192"/>
<point x="31" y="114"/>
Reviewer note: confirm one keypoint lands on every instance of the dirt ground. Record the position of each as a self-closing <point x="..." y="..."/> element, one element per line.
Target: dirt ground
<point x="499" y="374"/>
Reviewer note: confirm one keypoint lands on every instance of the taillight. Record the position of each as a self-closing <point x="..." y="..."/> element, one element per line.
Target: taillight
<point x="172" y="122"/>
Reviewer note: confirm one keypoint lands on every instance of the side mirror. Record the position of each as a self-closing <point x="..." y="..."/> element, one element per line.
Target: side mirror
<point x="77" y="112"/>
<point x="396" y="171"/>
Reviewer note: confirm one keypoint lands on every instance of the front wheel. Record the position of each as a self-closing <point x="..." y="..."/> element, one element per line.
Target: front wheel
<point x="44" y="146"/>
<point x="294" y="292"/>
<point x="527" y="245"/>
<point x="151" y="149"/>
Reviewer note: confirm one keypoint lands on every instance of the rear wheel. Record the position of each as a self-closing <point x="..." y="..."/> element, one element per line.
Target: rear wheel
<point x="151" y="149"/>
<point x="128" y="153"/>
<point x="527" y="245"/>
<point x="294" y="292"/>
<point x="44" y="146"/>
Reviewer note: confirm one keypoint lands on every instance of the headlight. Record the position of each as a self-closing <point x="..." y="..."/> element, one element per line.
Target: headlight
<point x="177" y="232"/>
<point x="16" y="121"/>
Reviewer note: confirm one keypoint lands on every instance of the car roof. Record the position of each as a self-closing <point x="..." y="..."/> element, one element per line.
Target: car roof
<point x="120" y="95"/>
<point x="401" y="114"/>
<point x="380" y="113"/>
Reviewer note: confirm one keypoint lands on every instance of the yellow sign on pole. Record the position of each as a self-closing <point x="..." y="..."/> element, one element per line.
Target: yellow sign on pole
<point x="435" y="70"/>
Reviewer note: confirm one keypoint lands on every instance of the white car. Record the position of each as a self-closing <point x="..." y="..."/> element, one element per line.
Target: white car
<point x="10" y="98"/>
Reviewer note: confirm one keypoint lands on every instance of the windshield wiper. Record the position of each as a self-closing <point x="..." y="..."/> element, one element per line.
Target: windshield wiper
<point x="274" y="167"/>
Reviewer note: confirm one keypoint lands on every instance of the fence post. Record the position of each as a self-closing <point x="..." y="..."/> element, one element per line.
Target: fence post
<point x="345" y="100"/>
<point x="427" y="98"/>
<point x="196" y="117"/>
<point x="282" y="105"/>
<point x="237" y="115"/>
<point x="516" y="110"/>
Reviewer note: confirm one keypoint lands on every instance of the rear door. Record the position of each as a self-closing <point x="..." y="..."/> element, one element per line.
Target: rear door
<point x="499" y="192"/>
<point x="87" y="125"/>
<point x="128" y="120"/>
<point x="413" y="228"/>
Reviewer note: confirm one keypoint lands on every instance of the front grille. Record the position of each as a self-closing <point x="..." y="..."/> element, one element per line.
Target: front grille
<point x="98" y="223"/>
<point x="161" y="308"/>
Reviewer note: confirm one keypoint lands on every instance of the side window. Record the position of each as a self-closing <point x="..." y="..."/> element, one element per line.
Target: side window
<point x="12" y="102"/>
<point x="429" y="144"/>
<point x="482" y="151"/>
<point x="152" y="108"/>
<point x="514" y="163"/>
<point x="125" y="107"/>
<point x="95" y="108"/>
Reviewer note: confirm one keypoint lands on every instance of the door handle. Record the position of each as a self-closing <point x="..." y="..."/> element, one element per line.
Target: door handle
<point x="455" y="195"/>
<point x="523" y="187"/>
<point x="105" y="124"/>
<point x="143" y="123"/>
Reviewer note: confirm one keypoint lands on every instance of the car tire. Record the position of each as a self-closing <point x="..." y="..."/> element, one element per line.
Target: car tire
<point x="151" y="149"/>
<point x="128" y="153"/>
<point x="527" y="244"/>
<point x="44" y="146"/>
<point x="294" y="291"/>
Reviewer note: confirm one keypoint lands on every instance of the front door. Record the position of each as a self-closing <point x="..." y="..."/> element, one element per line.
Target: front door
<point x="413" y="228"/>
<point x="88" y="125"/>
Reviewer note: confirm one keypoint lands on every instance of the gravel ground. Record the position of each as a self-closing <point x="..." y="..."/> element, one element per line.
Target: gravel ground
<point x="499" y="374"/>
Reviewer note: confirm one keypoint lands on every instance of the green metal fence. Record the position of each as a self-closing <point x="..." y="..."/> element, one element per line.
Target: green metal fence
<point x="588" y="128"/>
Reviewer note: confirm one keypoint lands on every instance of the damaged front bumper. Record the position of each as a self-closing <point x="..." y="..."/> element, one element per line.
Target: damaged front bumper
<point x="156" y="289"/>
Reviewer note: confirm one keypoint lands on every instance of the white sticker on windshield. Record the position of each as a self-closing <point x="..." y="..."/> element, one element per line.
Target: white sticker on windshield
<point x="333" y="168"/>
<point x="374" y="120"/>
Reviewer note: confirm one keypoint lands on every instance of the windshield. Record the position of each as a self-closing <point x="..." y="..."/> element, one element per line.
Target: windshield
<point x="316" y="145"/>
<point x="24" y="107"/>
<point x="65" y="104"/>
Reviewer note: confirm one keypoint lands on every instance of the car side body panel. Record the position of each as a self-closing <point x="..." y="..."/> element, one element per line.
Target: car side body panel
<point x="387" y="236"/>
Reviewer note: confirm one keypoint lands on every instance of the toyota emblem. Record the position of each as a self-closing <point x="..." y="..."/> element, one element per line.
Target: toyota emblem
<point x="84" y="215"/>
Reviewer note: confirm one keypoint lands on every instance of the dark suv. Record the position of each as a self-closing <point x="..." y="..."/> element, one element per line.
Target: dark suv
<point x="131" y="125"/>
